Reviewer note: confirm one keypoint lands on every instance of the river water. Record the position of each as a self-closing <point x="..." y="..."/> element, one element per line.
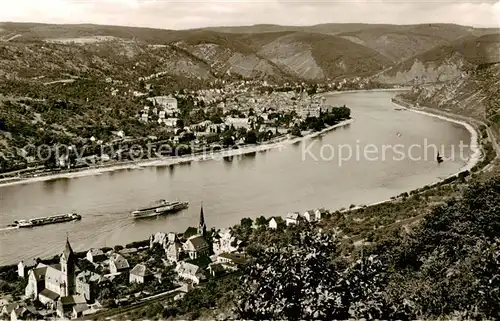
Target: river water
<point x="273" y="182"/>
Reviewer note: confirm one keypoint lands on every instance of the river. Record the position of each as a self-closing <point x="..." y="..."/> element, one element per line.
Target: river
<point x="273" y="182"/>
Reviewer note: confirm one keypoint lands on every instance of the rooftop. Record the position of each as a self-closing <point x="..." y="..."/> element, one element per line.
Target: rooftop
<point x="96" y="252"/>
<point x="236" y="258"/>
<point x="119" y="261"/>
<point x="197" y="243"/>
<point x="49" y="294"/>
<point x="187" y="268"/>
<point x="140" y="270"/>
<point x="73" y="299"/>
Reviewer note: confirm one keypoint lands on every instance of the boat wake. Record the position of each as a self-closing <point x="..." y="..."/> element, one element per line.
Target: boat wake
<point x="7" y="228"/>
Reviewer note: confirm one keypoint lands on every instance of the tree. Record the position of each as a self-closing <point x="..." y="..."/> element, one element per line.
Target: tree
<point x="246" y="223"/>
<point x="261" y="221"/>
<point x="251" y="137"/>
<point x="154" y="310"/>
<point x="296" y="131"/>
<point x="216" y="119"/>
<point x="294" y="283"/>
<point x="227" y="140"/>
<point x="242" y="132"/>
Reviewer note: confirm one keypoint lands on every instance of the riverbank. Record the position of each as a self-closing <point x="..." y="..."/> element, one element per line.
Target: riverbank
<point x="473" y="160"/>
<point x="330" y="93"/>
<point x="169" y="161"/>
<point x="475" y="147"/>
<point x="474" y="144"/>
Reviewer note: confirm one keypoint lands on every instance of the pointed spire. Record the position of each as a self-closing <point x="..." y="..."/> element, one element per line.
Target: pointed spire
<point x="68" y="251"/>
<point x="202" y="227"/>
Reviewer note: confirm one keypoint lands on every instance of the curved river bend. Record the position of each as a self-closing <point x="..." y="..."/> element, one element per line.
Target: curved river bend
<point x="266" y="183"/>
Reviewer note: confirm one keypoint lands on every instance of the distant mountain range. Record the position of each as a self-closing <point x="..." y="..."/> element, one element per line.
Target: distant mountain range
<point x="394" y="53"/>
<point x="446" y="62"/>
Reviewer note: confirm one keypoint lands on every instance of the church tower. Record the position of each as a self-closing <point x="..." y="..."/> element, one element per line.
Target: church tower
<point x="68" y="276"/>
<point x="202" y="227"/>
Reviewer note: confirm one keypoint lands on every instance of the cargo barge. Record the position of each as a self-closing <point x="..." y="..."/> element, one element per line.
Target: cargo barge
<point x="54" y="219"/>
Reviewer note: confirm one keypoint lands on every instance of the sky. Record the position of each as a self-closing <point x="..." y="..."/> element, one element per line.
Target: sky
<point x="167" y="14"/>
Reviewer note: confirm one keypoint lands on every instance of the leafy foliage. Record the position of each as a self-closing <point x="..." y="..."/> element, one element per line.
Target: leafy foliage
<point x="446" y="267"/>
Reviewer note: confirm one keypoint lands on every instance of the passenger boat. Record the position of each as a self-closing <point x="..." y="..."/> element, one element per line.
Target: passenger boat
<point x="54" y="219"/>
<point x="161" y="207"/>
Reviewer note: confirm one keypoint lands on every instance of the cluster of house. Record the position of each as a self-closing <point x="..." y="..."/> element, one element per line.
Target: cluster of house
<point x="292" y="218"/>
<point x="60" y="287"/>
<point x="70" y="292"/>
<point x="184" y="255"/>
<point x="302" y="103"/>
<point x="67" y="290"/>
<point x="235" y="96"/>
<point x="164" y="110"/>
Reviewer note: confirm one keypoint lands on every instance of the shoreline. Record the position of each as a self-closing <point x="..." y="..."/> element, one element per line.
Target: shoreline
<point x="338" y="92"/>
<point x="475" y="157"/>
<point x="128" y="165"/>
<point x="475" y="147"/>
<point x="176" y="160"/>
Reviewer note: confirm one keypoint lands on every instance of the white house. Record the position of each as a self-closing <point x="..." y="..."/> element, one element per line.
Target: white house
<point x="223" y="242"/>
<point x="190" y="272"/>
<point x="173" y="251"/>
<point x="161" y="117"/>
<point x="237" y="122"/>
<point x="160" y="238"/>
<point x="232" y="258"/>
<point x="140" y="274"/>
<point x="170" y="122"/>
<point x="166" y="102"/>
<point x="23" y="267"/>
<point x="118" y="263"/>
<point x="310" y="216"/>
<point x="95" y="255"/>
<point x="319" y="213"/>
<point x="273" y="224"/>
<point x="172" y="237"/>
<point x="291" y="218"/>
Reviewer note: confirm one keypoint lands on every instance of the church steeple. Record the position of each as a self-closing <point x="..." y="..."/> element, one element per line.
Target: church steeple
<point x="68" y="276"/>
<point x="202" y="227"/>
<point x="68" y="251"/>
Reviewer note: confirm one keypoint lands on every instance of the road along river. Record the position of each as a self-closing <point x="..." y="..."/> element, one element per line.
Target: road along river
<point x="391" y="152"/>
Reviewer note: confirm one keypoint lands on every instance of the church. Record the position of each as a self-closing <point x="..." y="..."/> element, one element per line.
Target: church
<point x="50" y="283"/>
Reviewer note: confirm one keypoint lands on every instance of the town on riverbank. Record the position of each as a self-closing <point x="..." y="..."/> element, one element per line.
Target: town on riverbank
<point x="234" y="116"/>
<point x="168" y="265"/>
